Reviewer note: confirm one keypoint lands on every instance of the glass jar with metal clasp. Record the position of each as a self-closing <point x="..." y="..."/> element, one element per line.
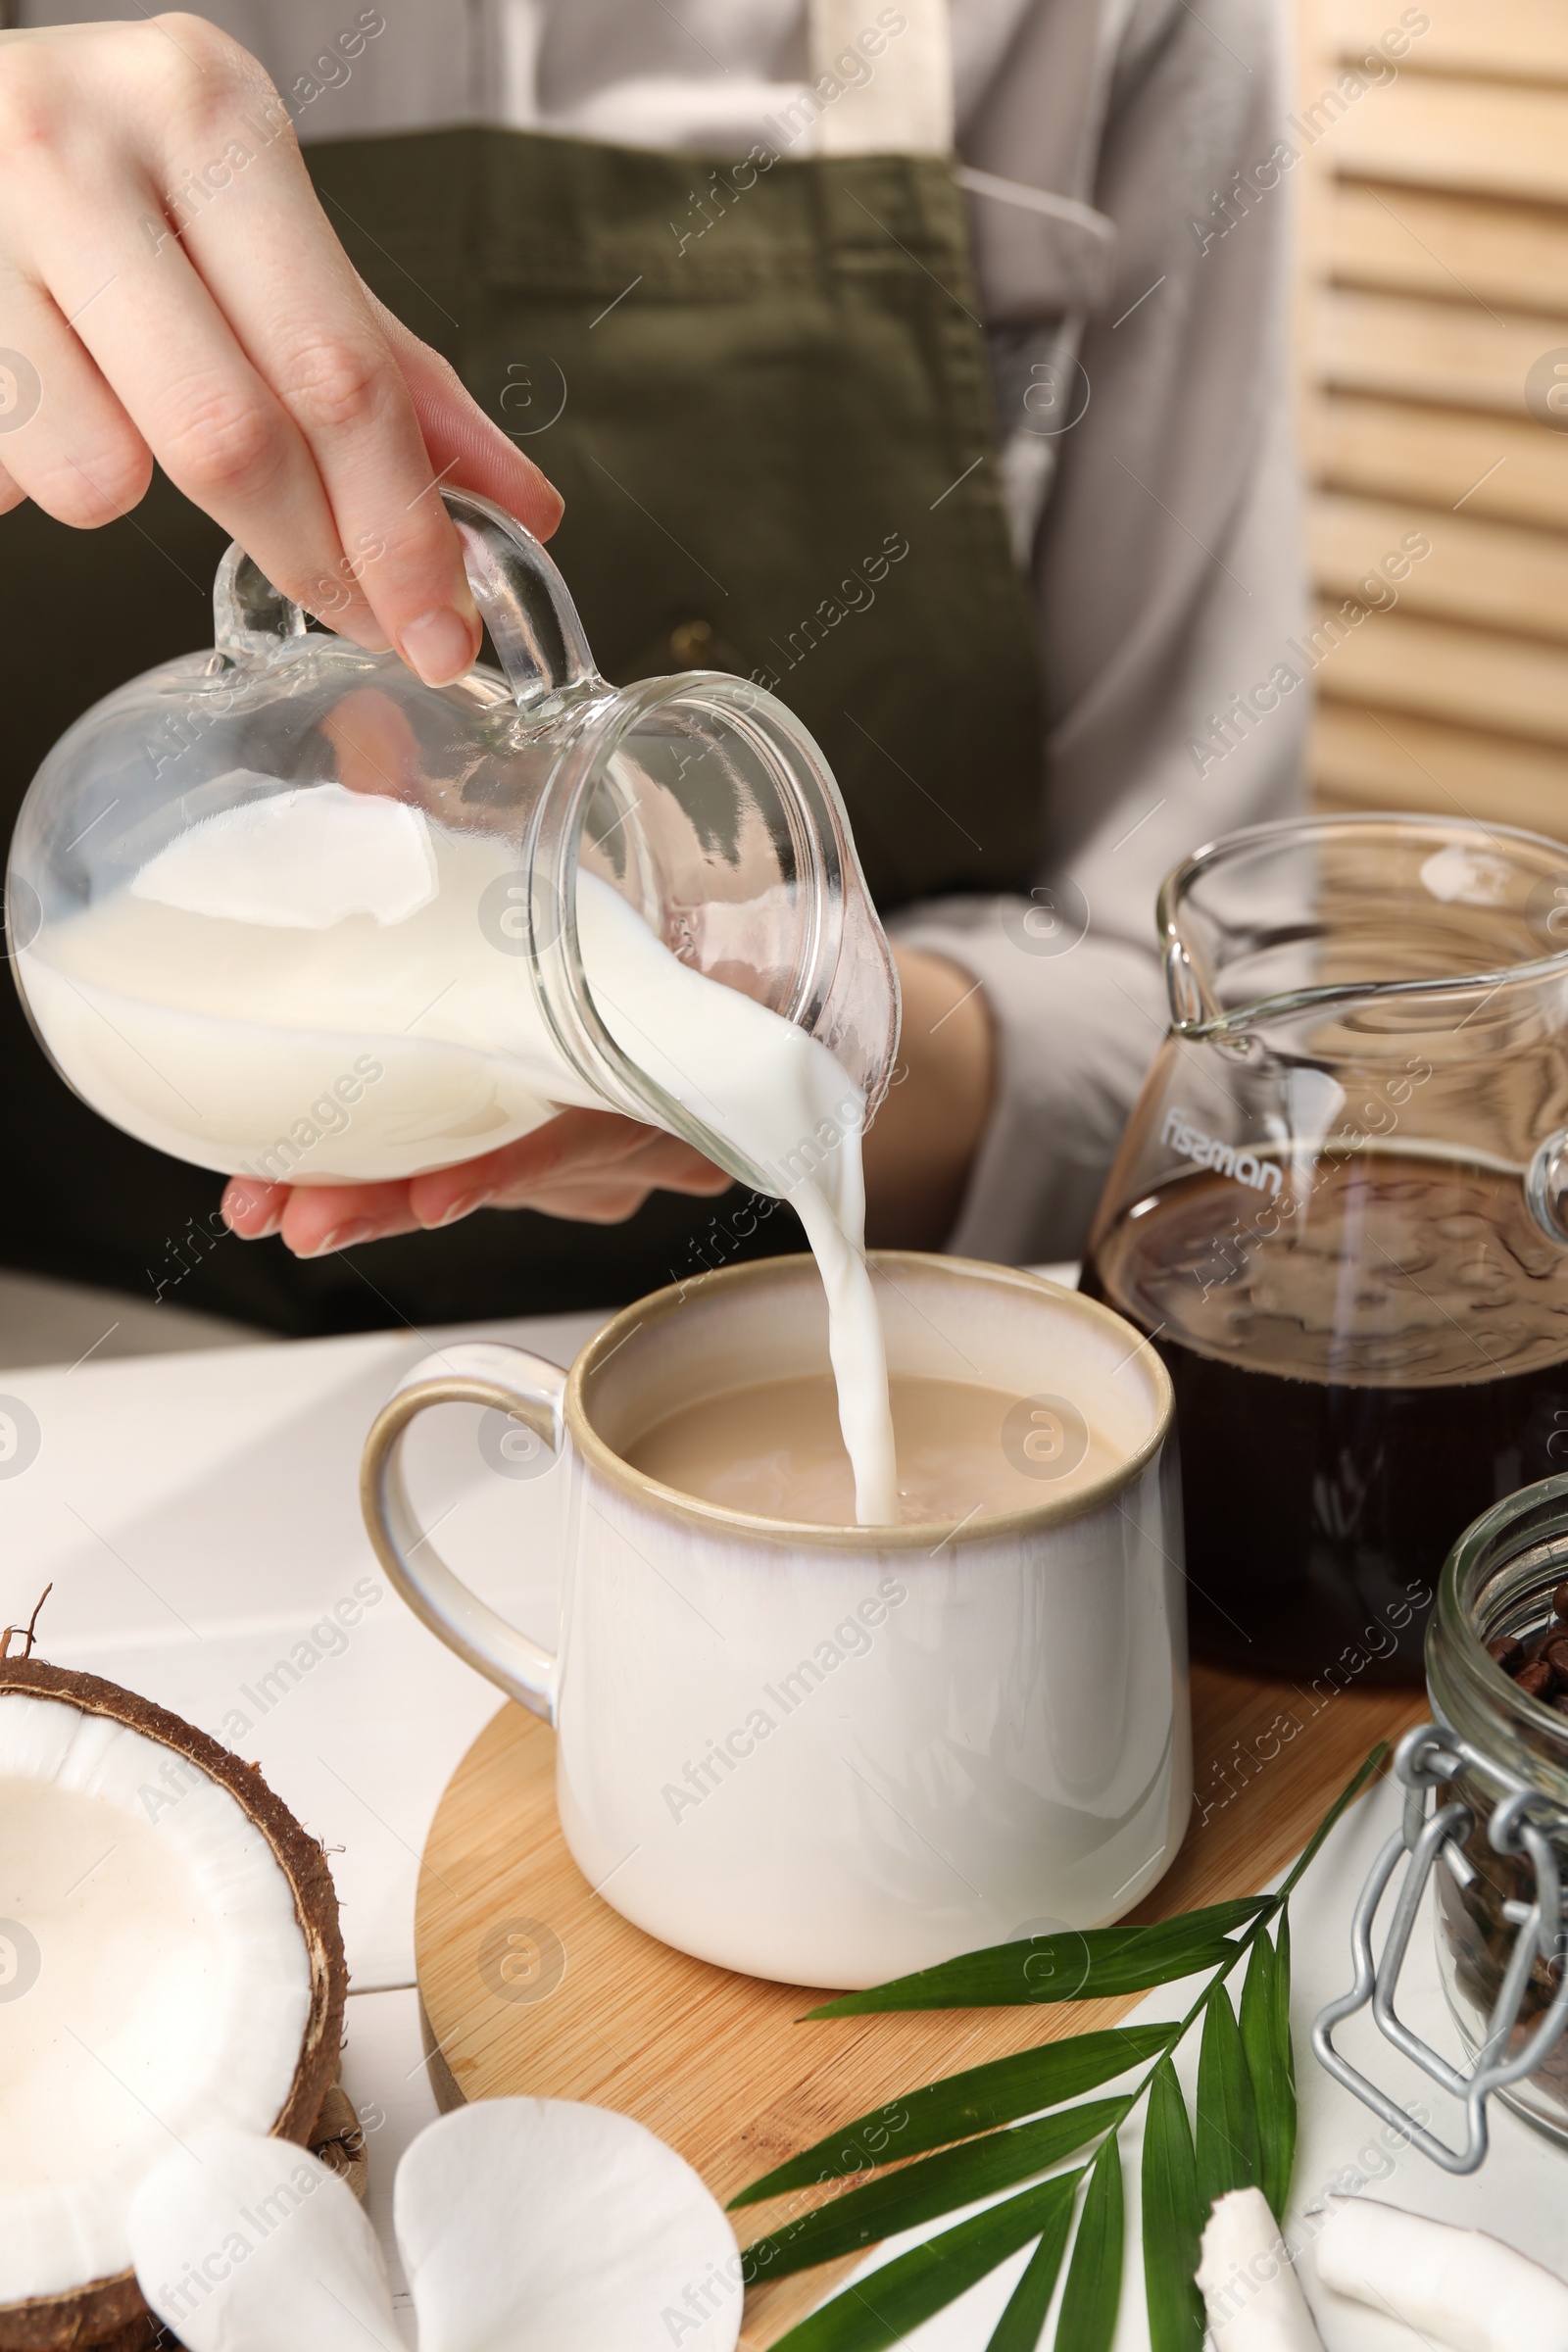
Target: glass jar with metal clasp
<point x="1486" y="1818"/>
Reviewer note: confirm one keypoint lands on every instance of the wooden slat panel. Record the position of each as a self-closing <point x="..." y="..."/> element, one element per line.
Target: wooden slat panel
<point x="1363" y="758"/>
<point x="1507" y="685"/>
<point x="1499" y="466"/>
<point x="1482" y="136"/>
<point x="1495" y="574"/>
<point x="1411" y="241"/>
<point x="1525" y="40"/>
<point x="1434" y="351"/>
<point x="1434" y="274"/>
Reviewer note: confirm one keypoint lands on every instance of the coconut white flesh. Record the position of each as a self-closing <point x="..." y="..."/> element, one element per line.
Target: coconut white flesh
<point x="247" y="2244"/>
<point x="1246" y="2279"/>
<point x="562" y="2228"/>
<point x="154" y="1979"/>
<point x="1469" y="2291"/>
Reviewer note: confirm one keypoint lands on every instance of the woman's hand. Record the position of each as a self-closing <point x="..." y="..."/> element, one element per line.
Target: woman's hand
<point x="593" y="1165"/>
<point x="599" y="1167"/>
<point x="171" y="288"/>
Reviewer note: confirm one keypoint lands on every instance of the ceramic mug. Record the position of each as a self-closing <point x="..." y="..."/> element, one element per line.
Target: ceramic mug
<point x="831" y="1755"/>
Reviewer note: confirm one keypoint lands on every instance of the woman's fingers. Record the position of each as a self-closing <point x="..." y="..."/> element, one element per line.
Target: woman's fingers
<point x="320" y="1219"/>
<point x="311" y="336"/>
<point x="97" y="126"/>
<point x="610" y="1194"/>
<point x="68" y="444"/>
<point x="189" y="299"/>
<point x="586" y="1164"/>
<point x="253" y="1210"/>
<point x="562" y="1159"/>
<point x="600" y="1204"/>
<point x="465" y="445"/>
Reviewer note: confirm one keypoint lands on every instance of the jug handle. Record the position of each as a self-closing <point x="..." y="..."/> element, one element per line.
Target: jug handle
<point x="526" y="1389"/>
<point x="249" y="615"/>
<point x="527" y="607"/>
<point x="1546" y="1186"/>
<point x="526" y="604"/>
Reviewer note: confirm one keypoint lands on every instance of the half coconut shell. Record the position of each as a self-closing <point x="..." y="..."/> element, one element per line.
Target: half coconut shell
<point x="110" y="2314"/>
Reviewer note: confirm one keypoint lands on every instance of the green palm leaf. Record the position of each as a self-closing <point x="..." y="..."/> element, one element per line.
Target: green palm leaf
<point x="961" y="2105"/>
<point x="1267" y="2039"/>
<point x="1019" y="2326"/>
<point x="1172" y="2222"/>
<point x="1228" y="2153"/>
<point x="1092" y="2296"/>
<point x="877" y="2311"/>
<point x="1243" y="2069"/>
<point x="1071" y="1967"/>
<point x="902" y="2200"/>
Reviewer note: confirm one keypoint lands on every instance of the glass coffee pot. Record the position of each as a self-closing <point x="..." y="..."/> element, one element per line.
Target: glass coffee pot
<point x="278" y="908"/>
<point x="1341" y="1212"/>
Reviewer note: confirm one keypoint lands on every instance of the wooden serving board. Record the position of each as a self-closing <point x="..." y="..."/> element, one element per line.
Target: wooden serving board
<point x="530" y="1983"/>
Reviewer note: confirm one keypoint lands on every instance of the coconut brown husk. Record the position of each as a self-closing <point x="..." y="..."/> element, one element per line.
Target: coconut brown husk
<point x="338" y="2140"/>
<point x="109" y="2314"/>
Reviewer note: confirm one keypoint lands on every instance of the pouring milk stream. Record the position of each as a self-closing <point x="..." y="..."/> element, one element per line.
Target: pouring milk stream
<point x="308" y="935"/>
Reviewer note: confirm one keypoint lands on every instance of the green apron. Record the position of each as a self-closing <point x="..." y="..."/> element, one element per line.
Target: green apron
<point x="762" y="393"/>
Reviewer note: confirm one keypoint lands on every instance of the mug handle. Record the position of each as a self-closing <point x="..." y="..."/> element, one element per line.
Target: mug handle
<point x="528" y="1389"/>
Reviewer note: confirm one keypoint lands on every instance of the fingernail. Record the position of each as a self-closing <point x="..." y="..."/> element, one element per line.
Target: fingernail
<point x="464" y="1207"/>
<point x="439" y="645"/>
<point x="341" y="1237"/>
<point x="232" y="1211"/>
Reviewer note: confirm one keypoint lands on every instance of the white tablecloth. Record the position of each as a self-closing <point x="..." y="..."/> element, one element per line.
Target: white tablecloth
<point x="198" y="1516"/>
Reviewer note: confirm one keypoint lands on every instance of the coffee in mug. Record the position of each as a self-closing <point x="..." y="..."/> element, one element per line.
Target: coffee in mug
<point x="773" y="1450"/>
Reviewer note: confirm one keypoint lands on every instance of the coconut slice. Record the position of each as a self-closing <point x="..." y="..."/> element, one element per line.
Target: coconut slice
<point x="169" y="1959"/>
<point x="563" y="2228"/>
<point x="1250" y="2292"/>
<point x="245" y="2244"/>
<point x="1456" y="2287"/>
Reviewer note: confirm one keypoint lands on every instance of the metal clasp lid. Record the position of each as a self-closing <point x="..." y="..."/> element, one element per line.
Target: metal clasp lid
<point x="1523" y="1823"/>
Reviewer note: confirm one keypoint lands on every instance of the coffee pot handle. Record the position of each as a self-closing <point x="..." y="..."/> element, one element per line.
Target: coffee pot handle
<point x="526" y="604"/>
<point x="528" y="1390"/>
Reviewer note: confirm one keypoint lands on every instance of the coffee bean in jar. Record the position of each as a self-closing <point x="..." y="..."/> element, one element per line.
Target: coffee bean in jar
<point x="1538" y="1666"/>
<point x="1498" y="1674"/>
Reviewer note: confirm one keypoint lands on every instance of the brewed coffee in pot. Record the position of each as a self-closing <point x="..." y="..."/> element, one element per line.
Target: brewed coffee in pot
<point x="1339" y="1211"/>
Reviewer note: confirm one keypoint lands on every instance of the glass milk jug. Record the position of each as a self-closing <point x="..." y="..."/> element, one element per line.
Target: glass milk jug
<point x="1339" y="1210"/>
<point x="280" y="909"/>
